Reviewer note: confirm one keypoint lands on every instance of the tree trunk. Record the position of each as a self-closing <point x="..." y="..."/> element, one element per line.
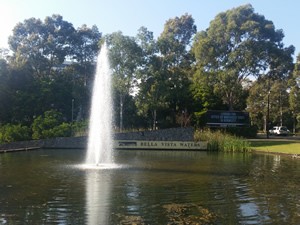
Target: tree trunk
<point x="154" y="120"/>
<point x="294" y="123"/>
<point x="265" y="124"/>
<point x="281" y="113"/>
<point x="121" y="113"/>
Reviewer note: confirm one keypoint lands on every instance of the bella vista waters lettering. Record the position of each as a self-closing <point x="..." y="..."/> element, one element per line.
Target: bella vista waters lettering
<point x="149" y="144"/>
<point x="168" y="144"/>
<point x="156" y="144"/>
<point x="182" y="144"/>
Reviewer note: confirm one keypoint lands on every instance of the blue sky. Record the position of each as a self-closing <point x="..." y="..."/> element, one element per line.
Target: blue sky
<point x="129" y="15"/>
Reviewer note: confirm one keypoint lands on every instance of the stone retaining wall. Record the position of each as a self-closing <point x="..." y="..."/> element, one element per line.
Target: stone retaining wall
<point x="172" y="134"/>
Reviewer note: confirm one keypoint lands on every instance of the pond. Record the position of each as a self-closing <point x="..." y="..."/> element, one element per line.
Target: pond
<point x="149" y="187"/>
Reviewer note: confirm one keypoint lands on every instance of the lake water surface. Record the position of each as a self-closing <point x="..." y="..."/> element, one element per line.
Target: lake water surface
<point x="149" y="187"/>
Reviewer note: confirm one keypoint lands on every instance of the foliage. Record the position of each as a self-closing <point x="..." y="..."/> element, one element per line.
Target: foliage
<point x="86" y="47"/>
<point x="41" y="45"/>
<point x="5" y="93"/>
<point x="164" y="82"/>
<point x="176" y="59"/>
<point x="268" y="93"/>
<point x="51" y="66"/>
<point x="80" y="128"/>
<point x="150" y="98"/>
<point x="220" y="141"/>
<point x="239" y="43"/>
<point x="50" y="125"/>
<point x="164" y="75"/>
<point x="125" y="56"/>
<point x="294" y="95"/>
<point x="11" y="133"/>
<point x="52" y="128"/>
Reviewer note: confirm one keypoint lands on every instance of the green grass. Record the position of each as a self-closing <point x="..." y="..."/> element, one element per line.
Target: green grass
<point x="277" y="146"/>
<point x="220" y="141"/>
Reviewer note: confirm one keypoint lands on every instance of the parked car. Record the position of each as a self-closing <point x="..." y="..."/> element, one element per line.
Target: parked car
<point x="279" y="130"/>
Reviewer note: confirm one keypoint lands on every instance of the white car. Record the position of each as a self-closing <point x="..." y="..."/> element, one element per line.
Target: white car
<point x="279" y="130"/>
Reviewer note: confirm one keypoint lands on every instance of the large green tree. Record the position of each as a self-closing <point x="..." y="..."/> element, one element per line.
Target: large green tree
<point x="164" y="75"/>
<point x="52" y="63"/>
<point x="85" y="47"/>
<point x="5" y="93"/>
<point x="268" y="102"/>
<point x="41" y="45"/>
<point x="174" y="46"/>
<point x="125" y="56"/>
<point x="151" y="94"/>
<point x="294" y="96"/>
<point x="238" y="44"/>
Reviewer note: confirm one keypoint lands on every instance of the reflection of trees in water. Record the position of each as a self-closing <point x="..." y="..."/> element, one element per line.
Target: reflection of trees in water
<point x="188" y="213"/>
<point x="225" y="189"/>
<point x="274" y="184"/>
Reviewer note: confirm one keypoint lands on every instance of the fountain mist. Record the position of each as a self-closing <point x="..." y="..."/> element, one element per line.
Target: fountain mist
<point x="100" y="145"/>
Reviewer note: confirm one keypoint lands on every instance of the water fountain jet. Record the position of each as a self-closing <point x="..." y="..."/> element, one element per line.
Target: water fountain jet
<point x="100" y="141"/>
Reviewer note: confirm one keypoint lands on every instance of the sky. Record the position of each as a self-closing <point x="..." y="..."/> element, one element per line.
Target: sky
<point x="128" y="16"/>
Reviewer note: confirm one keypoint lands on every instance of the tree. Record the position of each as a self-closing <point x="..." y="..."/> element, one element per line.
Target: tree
<point x="268" y="102"/>
<point x="294" y="96"/>
<point x="164" y="74"/>
<point x="4" y="53"/>
<point x="150" y="97"/>
<point x="257" y="103"/>
<point x="174" y="44"/>
<point x="5" y="93"/>
<point x="41" y="45"/>
<point x="85" y="47"/>
<point x="165" y="85"/>
<point x="125" y="56"/>
<point x="39" y="76"/>
<point x="280" y="102"/>
<point x="239" y="43"/>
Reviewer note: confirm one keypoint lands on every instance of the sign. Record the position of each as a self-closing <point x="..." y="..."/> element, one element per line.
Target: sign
<point x="227" y="118"/>
<point x="162" y="145"/>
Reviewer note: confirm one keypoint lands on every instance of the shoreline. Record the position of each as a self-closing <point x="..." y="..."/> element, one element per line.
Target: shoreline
<point x="261" y="144"/>
<point x="273" y="145"/>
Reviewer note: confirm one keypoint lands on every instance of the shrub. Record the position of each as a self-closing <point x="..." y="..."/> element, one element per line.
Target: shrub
<point x="11" y="133"/>
<point x="80" y="128"/>
<point x="50" y="125"/>
<point x="220" y="141"/>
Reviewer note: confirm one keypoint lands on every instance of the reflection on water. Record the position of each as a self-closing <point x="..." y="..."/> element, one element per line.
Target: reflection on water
<point x="48" y="187"/>
<point x="97" y="197"/>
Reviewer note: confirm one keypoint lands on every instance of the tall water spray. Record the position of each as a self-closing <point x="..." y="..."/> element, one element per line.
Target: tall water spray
<point x="100" y="147"/>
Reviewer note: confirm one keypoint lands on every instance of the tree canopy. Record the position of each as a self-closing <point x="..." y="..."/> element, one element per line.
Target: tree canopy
<point x="239" y="43"/>
<point x="238" y="63"/>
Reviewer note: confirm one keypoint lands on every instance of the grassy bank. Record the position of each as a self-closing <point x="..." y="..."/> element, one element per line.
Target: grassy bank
<point x="276" y="146"/>
<point x="220" y="141"/>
